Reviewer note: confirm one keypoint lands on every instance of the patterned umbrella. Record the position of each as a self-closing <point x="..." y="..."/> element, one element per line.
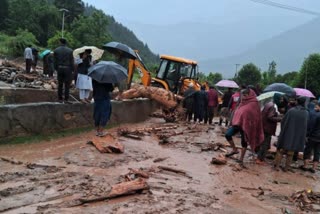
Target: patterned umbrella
<point x="227" y="84"/>
<point x="304" y="92"/>
<point x="96" y="53"/>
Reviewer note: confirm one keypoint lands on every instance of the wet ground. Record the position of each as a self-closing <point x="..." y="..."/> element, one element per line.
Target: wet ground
<point x="50" y="177"/>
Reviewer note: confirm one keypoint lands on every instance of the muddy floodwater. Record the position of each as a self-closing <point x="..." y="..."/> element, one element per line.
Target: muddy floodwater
<point x="51" y="176"/>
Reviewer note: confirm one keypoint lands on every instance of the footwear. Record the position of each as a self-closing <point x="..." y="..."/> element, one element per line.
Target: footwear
<point x="312" y="170"/>
<point x="67" y="102"/>
<point x="102" y="134"/>
<point x="260" y="162"/>
<point x="232" y="153"/>
<point x="303" y="168"/>
<point x="60" y="101"/>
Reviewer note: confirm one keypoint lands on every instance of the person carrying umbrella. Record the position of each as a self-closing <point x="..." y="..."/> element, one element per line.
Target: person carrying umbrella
<point x="84" y="82"/>
<point x="104" y="74"/>
<point x="270" y="118"/>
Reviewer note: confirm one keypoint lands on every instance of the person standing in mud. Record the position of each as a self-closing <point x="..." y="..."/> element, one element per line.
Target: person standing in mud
<point x="270" y="118"/>
<point x="35" y="53"/>
<point x="293" y="134"/>
<point x="28" y="57"/>
<point x="188" y="102"/>
<point x="225" y="112"/>
<point x="212" y="104"/>
<point x="313" y="139"/>
<point x="48" y="64"/>
<point x="102" y="106"/>
<point x="200" y="103"/>
<point x="64" y="65"/>
<point x="246" y="120"/>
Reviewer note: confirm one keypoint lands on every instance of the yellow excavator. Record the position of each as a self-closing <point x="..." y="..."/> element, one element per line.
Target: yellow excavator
<point x="174" y="73"/>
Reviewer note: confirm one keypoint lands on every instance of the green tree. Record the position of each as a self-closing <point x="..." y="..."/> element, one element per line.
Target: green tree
<point x="4" y="12"/>
<point x="309" y="74"/>
<point x="36" y="16"/>
<point x="53" y="42"/>
<point x="249" y="74"/>
<point x="17" y="44"/>
<point x="270" y="76"/>
<point x="75" y="9"/>
<point x="91" y="30"/>
<point x="213" y="78"/>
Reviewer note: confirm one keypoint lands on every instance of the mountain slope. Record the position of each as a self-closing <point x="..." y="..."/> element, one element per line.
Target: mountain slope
<point x="288" y="50"/>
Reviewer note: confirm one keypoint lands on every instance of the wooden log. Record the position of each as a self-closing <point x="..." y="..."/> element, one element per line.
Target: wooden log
<point x="178" y="171"/>
<point x="139" y="173"/>
<point x="121" y="189"/>
<point x="159" y="159"/>
<point x="162" y="96"/>
<point x="107" y="144"/>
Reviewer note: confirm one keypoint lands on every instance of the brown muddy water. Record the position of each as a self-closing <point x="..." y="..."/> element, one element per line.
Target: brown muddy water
<point x="49" y="177"/>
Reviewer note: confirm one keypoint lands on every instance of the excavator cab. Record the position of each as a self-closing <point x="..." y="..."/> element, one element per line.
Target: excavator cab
<point x="175" y="74"/>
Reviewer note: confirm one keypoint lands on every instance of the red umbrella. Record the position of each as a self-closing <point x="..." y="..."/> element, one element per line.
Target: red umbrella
<point x="304" y="92"/>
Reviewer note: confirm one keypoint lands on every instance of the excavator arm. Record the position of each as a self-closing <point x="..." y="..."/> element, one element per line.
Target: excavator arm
<point x="137" y="64"/>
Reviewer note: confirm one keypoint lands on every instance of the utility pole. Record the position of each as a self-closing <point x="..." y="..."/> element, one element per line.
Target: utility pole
<point x="236" y="74"/>
<point x="63" y="15"/>
<point x="306" y="76"/>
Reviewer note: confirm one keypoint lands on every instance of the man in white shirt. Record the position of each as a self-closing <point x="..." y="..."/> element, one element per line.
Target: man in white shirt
<point x="28" y="58"/>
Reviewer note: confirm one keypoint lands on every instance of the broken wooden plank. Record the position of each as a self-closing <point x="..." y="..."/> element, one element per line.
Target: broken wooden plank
<point x="159" y="159"/>
<point x="220" y="160"/>
<point x="121" y="189"/>
<point x="178" y="171"/>
<point x="107" y="144"/>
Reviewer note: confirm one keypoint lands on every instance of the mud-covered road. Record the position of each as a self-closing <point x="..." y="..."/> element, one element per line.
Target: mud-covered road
<point x="51" y="177"/>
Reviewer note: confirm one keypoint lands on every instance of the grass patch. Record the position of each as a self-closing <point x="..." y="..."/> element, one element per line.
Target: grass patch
<point x="45" y="137"/>
<point x="48" y="137"/>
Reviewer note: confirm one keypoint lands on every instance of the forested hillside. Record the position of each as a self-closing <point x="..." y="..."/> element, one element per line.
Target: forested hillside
<point x="39" y="22"/>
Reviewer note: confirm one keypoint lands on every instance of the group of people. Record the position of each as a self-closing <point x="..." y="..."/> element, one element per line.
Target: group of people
<point x="200" y="105"/>
<point x="68" y="69"/>
<point x="299" y="117"/>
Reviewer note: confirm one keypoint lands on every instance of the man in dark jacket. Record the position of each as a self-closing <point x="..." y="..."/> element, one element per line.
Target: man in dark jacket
<point x="188" y="102"/>
<point x="313" y="142"/>
<point x="293" y="133"/>
<point x="200" y="103"/>
<point x="270" y="118"/>
<point x="64" y="65"/>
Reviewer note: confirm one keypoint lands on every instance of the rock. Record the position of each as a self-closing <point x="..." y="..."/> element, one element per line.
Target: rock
<point x="53" y="85"/>
<point x="13" y="74"/>
<point x="220" y="160"/>
<point x="22" y="84"/>
<point x="47" y="86"/>
<point x="38" y="83"/>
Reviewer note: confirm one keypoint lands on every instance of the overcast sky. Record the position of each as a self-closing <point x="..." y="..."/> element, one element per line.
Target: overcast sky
<point x="214" y="11"/>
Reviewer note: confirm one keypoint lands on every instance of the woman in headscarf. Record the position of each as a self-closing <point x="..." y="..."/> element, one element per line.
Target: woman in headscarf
<point x="246" y="120"/>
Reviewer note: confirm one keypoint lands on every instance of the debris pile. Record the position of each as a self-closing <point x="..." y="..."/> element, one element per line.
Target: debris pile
<point x="13" y="73"/>
<point x="306" y="200"/>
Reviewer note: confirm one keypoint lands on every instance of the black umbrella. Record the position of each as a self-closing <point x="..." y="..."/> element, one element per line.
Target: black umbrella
<point x="124" y="50"/>
<point x="281" y="87"/>
<point x="107" y="72"/>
